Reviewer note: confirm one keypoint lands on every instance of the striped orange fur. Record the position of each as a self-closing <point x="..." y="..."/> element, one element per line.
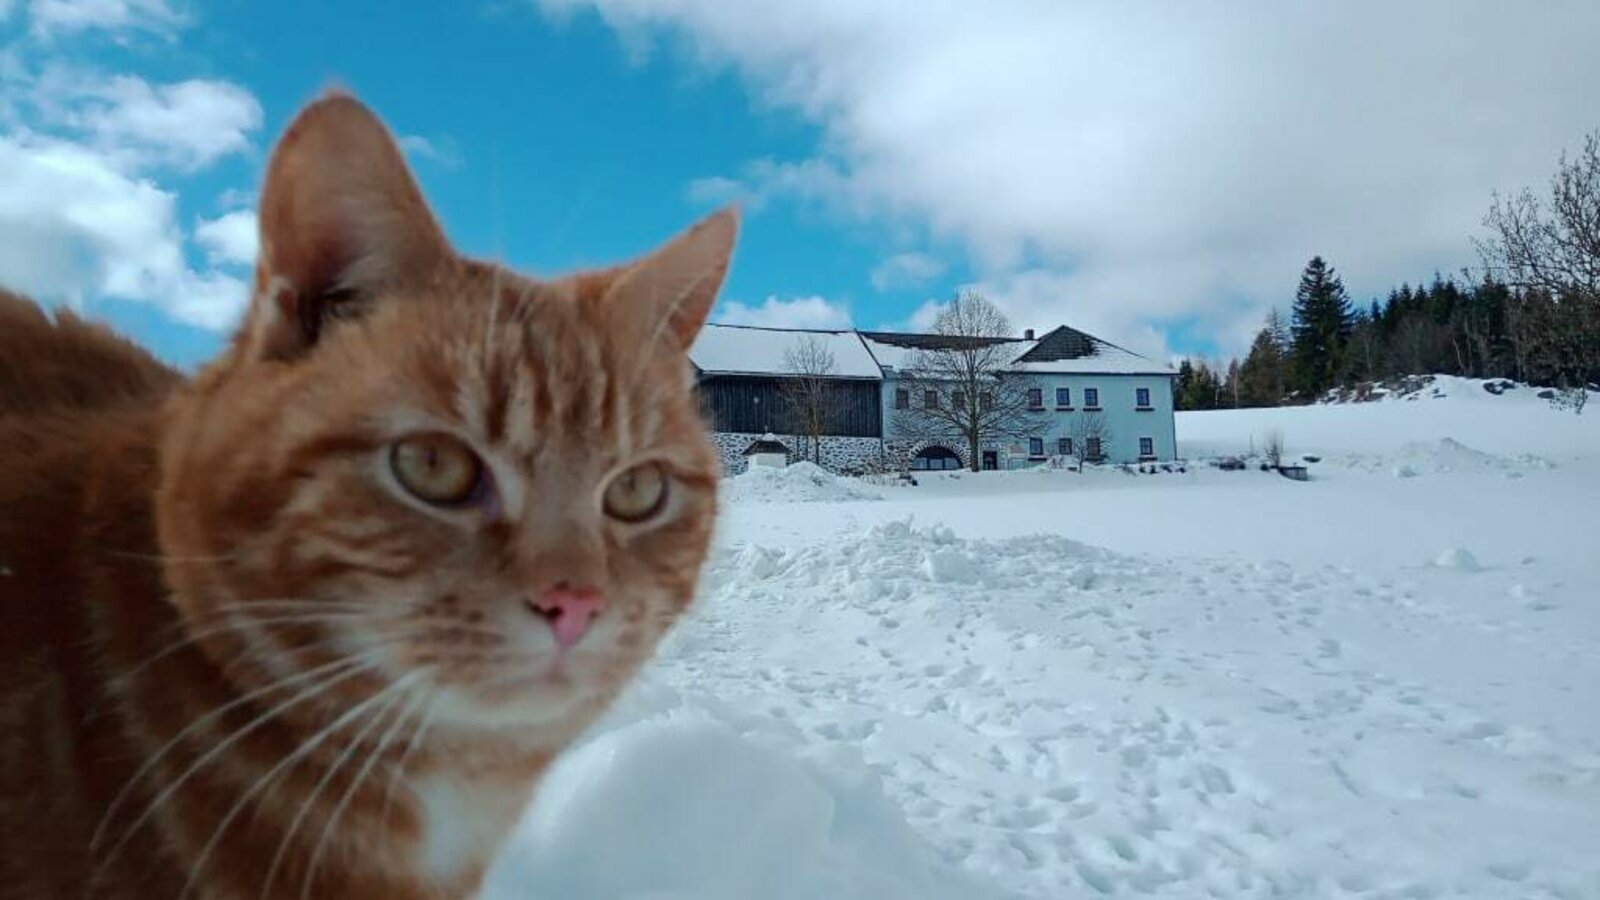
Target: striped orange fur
<point x="238" y="658"/>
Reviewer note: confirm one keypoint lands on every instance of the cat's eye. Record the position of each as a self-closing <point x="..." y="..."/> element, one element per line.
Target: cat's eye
<point x="637" y="494"/>
<point x="437" y="468"/>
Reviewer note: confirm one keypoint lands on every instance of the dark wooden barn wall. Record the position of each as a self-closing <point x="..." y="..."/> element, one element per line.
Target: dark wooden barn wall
<point x="753" y="404"/>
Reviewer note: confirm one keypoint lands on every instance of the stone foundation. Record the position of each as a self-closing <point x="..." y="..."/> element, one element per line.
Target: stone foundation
<point x="842" y="455"/>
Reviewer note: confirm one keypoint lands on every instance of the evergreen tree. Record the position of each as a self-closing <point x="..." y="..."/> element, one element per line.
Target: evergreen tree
<point x="1278" y="329"/>
<point x="1262" y="376"/>
<point x="1183" y="388"/>
<point x="1321" y="329"/>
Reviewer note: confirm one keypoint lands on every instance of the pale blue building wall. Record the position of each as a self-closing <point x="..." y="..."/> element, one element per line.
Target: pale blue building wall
<point x="1118" y="410"/>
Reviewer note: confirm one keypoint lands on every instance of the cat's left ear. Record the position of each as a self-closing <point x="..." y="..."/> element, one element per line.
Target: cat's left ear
<point x="671" y="291"/>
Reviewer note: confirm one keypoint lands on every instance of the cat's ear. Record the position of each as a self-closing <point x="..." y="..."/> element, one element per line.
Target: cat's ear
<point x="341" y="220"/>
<point x="671" y="291"/>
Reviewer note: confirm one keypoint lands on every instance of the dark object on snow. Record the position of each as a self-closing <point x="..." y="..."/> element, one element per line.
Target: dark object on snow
<point x="1311" y="459"/>
<point x="1499" y="387"/>
<point x="1295" y="473"/>
<point x="766" y="446"/>
<point x="1266" y="467"/>
<point x="1231" y="464"/>
<point x="1546" y="394"/>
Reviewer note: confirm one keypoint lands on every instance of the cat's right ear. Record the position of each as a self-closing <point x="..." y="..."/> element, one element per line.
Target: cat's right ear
<point x="341" y="220"/>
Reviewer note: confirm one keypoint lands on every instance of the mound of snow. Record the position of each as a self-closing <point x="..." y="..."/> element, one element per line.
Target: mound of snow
<point x="1458" y="558"/>
<point x="1447" y="455"/>
<point x="800" y="482"/>
<point x="687" y="804"/>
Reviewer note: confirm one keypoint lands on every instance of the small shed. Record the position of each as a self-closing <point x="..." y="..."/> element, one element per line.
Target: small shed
<point x="769" y="451"/>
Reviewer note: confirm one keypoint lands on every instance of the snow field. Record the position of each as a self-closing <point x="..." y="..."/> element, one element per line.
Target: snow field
<point x="1356" y="687"/>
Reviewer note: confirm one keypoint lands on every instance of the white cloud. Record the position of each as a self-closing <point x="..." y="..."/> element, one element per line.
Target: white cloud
<point x="1175" y="161"/>
<point x="231" y="238"/>
<point x="440" y="150"/>
<point x="801" y="312"/>
<point x="718" y="190"/>
<point x="187" y="125"/>
<point x="923" y="317"/>
<point x="52" y="18"/>
<point x="73" y="226"/>
<point x="761" y="180"/>
<point x="906" y="270"/>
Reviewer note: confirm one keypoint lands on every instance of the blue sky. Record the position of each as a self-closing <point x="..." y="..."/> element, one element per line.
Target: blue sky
<point x="1157" y="178"/>
<point x="547" y="145"/>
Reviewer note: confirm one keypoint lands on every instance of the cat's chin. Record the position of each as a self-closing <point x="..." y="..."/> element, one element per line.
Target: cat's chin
<point x="558" y="695"/>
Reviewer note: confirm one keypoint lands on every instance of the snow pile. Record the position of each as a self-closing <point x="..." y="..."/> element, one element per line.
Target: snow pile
<point x="1064" y="721"/>
<point x="1446" y="456"/>
<point x="1459" y="558"/>
<point x="801" y="482"/>
<point x="671" y="798"/>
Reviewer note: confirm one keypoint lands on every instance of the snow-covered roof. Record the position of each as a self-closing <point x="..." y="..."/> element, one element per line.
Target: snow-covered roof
<point x="895" y="350"/>
<point x="748" y="350"/>
<point x="1068" y="351"/>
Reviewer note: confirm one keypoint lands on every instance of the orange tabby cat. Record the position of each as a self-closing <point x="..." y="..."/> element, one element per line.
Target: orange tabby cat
<point x="314" y="623"/>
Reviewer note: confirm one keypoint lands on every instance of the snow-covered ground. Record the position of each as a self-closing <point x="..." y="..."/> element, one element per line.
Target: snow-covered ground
<point x="1380" y="683"/>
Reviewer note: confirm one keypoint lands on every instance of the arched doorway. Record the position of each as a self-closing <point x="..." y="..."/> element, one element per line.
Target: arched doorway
<point x="935" y="459"/>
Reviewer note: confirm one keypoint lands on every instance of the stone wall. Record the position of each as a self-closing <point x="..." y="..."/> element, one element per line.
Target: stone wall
<point x="839" y="454"/>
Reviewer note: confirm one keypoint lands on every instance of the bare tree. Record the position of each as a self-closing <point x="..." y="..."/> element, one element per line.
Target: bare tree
<point x="1549" y="251"/>
<point x="1090" y="434"/>
<point x="808" y="390"/>
<point x="964" y="388"/>
<point x="1272" y="448"/>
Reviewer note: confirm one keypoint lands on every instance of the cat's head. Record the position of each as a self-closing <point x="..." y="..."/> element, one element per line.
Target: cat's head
<point x="487" y="488"/>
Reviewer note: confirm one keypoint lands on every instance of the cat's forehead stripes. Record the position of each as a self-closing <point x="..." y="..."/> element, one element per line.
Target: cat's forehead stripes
<point x="541" y="367"/>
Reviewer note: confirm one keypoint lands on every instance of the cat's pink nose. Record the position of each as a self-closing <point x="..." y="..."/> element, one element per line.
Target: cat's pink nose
<point x="569" y="611"/>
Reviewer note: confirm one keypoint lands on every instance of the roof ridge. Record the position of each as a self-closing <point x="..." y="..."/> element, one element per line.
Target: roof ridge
<point x="776" y="328"/>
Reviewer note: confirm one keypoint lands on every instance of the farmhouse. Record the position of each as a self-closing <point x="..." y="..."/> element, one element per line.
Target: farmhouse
<point x="1085" y="398"/>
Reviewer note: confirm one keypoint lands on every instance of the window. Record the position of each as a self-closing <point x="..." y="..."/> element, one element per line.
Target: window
<point x="902" y="399"/>
<point x="1141" y="398"/>
<point x="1063" y="398"/>
<point x="930" y="399"/>
<point x="936" y="459"/>
<point x="1093" y="448"/>
<point x="1064" y="446"/>
<point x="958" y="399"/>
<point x="1091" y="398"/>
<point x="1036" y="398"/>
<point x="1147" y="446"/>
<point x="1035" y="447"/>
<point x="986" y="401"/>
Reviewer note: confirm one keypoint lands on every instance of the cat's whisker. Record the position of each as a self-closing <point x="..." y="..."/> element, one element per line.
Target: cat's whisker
<point x="399" y="769"/>
<point x="292" y="603"/>
<point x="323" y="677"/>
<point x="222" y="610"/>
<point x="168" y="558"/>
<point x="403" y="712"/>
<point x="397" y="690"/>
<point x="260" y="784"/>
<point x="196" y="637"/>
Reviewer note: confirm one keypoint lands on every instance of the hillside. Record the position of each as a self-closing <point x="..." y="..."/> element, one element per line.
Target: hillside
<point x="1483" y="415"/>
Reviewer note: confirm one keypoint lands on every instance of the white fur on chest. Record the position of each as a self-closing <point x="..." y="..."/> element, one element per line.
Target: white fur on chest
<point x="462" y="826"/>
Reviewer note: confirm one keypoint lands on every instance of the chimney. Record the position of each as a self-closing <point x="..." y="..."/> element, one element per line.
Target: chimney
<point x="1027" y="334"/>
